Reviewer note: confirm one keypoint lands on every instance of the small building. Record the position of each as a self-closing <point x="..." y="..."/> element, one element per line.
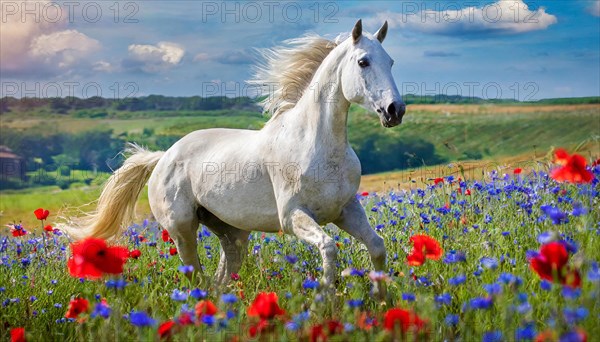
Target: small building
<point x="11" y="165"/>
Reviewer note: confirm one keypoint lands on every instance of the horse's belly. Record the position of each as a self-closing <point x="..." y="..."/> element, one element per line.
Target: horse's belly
<point x="247" y="205"/>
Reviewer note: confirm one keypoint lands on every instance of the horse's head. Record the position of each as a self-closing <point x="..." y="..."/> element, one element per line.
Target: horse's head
<point x="367" y="76"/>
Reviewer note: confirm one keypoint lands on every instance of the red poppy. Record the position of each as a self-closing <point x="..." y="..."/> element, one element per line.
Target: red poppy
<point x="320" y="332"/>
<point x="173" y="251"/>
<point x="205" y="307"/>
<point x="438" y="180"/>
<point x="406" y="320"/>
<point x="41" y="214"/>
<point x="185" y="319"/>
<point x="364" y="194"/>
<point x="265" y="306"/>
<point x="596" y="163"/>
<point x="517" y="171"/>
<point x="49" y="228"/>
<point x="77" y="306"/>
<point x="17" y="335"/>
<point x="423" y="247"/>
<point x="17" y="230"/>
<point x="166" y="237"/>
<point x="561" y="157"/>
<point x="551" y="264"/>
<point x="92" y="258"/>
<point x="235" y="276"/>
<point x="546" y="336"/>
<point x="165" y="329"/>
<point x="261" y="327"/>
<point x="573" y="168"/>
<point x="135" y="253"/>
<point x="468" y="192"/>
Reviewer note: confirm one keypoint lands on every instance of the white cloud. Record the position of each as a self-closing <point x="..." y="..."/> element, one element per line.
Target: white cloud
<point x="63" y="48"/>
<point x="154" y="58"/>
<point x="594" y="9"/>
<point x="40" y="42"/>
<point x="104" y="66"/>
<point x="501" y="17"/>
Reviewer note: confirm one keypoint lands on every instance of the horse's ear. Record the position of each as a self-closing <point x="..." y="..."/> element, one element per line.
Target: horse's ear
<point x="382" y="32"/>
<point x="357" y="31"/>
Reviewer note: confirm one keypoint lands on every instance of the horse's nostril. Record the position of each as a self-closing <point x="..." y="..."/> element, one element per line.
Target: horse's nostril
<point x="391" y="109"/>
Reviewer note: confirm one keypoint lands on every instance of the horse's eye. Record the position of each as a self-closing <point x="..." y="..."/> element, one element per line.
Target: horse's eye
<point x="363" y="62"/>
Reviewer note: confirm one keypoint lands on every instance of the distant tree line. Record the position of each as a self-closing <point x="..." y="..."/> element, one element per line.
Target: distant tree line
<point x="197" y="103"/>
<point x="63" y="105"/>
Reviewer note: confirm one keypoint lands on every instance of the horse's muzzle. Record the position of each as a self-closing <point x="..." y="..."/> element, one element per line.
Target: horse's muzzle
<point x="392" y="115"/>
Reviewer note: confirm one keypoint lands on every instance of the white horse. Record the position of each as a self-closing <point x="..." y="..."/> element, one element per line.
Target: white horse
<point x="294" y="175"/>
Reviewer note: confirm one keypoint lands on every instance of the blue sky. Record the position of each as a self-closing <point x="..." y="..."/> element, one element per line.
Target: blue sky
<point x="507" y="48"/>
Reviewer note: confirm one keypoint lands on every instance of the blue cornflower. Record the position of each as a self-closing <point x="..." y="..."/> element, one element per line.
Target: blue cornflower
<point x="118" y="284"/>
<point x="571" y="293"/>
<point x="444" y="298"/>
<point x="510" y="279"/>
<point x="481" y="303"/>
<point x="555" y="214"/>
<point x="493" y="336"/>
<point x="292" y="259"/>
<point x="101" y="310"/>
<point x="186" y="269"/>
<point x="546" y="285"/>
<point x="32" y="298"/>
<point x="358" y="273"/>
<point x="574" y="316"/>
<point x="25" y="261"/>
<point x="578" y="209"/>
<point x="454" y="257"/>
<point x="292" y="326"/>
<point x="229" y="298"/>
<point x="409" y="297"/>
<point x="198" y="294"/>
<point x="451" y="320"/>
<point x="490" y="263"/>
<point x="455" y="281"/>
<point x="493" y="289"/>
<point x="355" y="303"/>
<point x="310" y="284"/>
<point x="179" y="296"/>
<point x="208" y="319"/>
<point x="593" y="273"/>
<point x="141" y="319"/>
<point x="526" y="333"/>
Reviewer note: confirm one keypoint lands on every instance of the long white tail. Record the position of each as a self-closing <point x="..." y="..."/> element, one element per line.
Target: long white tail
<point x="116" y="205"/>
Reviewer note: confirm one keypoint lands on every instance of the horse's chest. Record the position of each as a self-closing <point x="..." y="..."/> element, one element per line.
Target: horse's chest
<point x="329" y="185"/>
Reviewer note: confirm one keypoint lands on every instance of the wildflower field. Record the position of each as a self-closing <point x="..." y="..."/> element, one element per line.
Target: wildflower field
<point x="512" y="256"/>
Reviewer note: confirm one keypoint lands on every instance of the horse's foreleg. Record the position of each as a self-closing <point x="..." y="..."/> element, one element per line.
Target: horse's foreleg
<point x="354" y="221"/>
<point x="301" y="224"/>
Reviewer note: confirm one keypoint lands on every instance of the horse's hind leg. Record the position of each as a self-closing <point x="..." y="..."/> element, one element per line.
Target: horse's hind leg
<point x="234" y="246"/>
<point x="179" y="218"/>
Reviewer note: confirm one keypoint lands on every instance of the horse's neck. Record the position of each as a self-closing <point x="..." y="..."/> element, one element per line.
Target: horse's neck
<point x="322" y="110"/>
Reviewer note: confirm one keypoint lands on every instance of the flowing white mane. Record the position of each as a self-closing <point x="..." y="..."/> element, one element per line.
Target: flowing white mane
<point x="288" y="69"/>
